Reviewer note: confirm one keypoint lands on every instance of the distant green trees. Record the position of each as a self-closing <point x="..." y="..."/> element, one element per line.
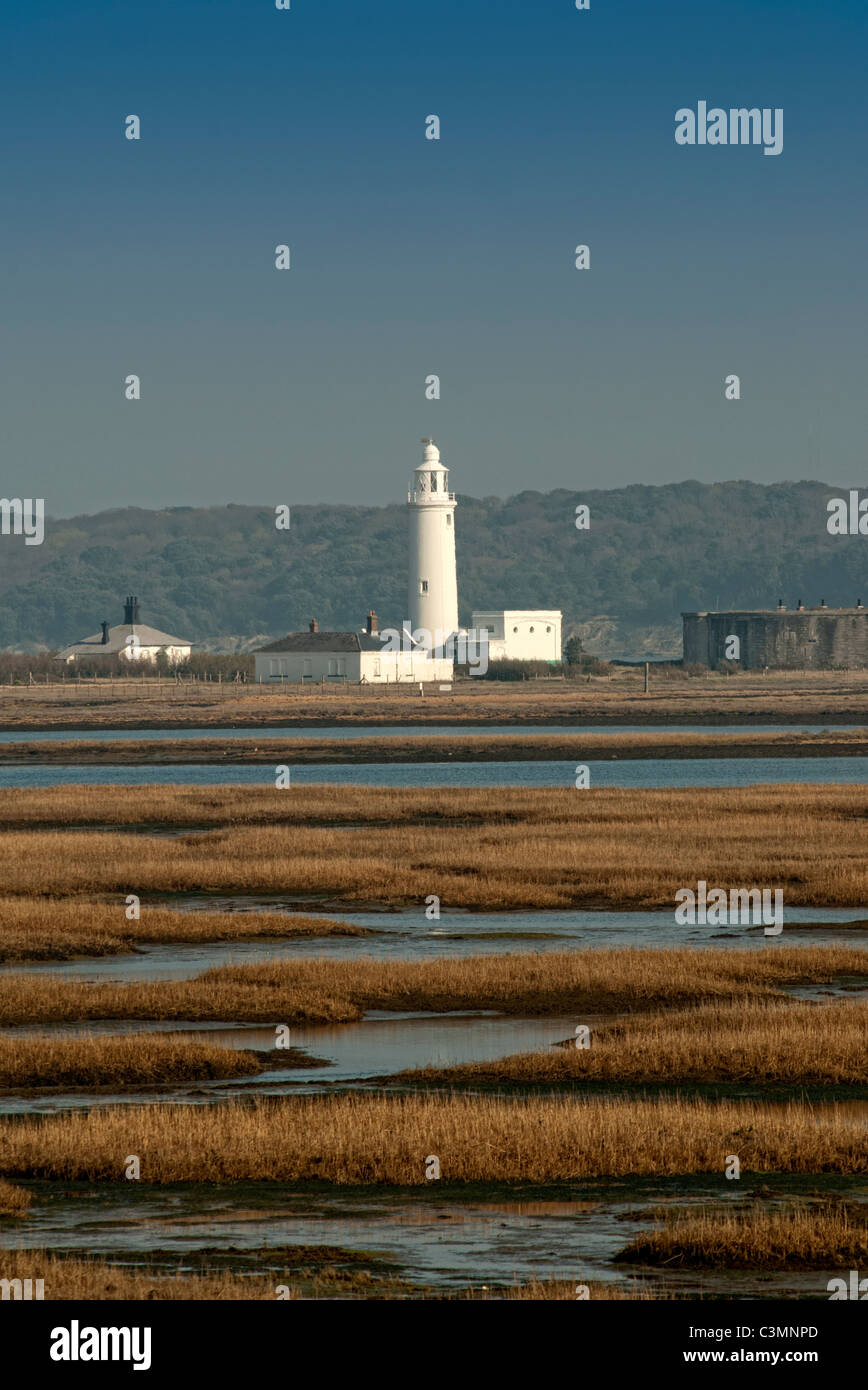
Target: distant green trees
<point x="217" y="571"/>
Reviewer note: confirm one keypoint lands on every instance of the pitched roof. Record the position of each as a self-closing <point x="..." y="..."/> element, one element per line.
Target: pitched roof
<point x="333" y="642"/>
<point x="117" y="641"/>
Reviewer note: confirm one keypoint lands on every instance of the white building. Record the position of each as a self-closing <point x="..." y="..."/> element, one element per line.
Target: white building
<point x="131" y="639"/>
<point x="521" y="634"/>
<point x="432" y="589"/>
<point x="371" y="656"/>
<point x="432" y="596"/>
<point x="432" y="614"/>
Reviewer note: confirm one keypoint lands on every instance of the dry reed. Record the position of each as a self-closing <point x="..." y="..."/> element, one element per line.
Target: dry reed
<point x="764" y="1043"/>
<point x="372" y="1139"/>
<point x="754" y="1239"/>
<point x="533" y="849"/>
<point x="33" y="929"/>
<point x="527" y="983"/>
<point x="14" y="1201"/>
<point x="140" y="1060"/>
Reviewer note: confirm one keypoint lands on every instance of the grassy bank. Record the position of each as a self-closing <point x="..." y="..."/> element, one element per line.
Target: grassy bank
<point x="755" y="1239"/>
<point x="333" y="991"/>
<point x="618" y="698"/>
<point x="14" y="1201"/>
<point x="71" y="1277"/>
<point x="309" y="1273"/>
<point x="34" y="929"/>
<point x="369" y="1139"/>
<point x="139" y="1060"/>
<point x="434" y="749"/>
<point x="765" y="1044"/>
<point x="523" y="848"/>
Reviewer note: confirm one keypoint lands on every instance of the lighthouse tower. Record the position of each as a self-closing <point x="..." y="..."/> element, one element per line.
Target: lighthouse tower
<point x="433" y="585"/>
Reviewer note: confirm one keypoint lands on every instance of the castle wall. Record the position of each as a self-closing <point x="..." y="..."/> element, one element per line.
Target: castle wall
<point x="807" y="639"/>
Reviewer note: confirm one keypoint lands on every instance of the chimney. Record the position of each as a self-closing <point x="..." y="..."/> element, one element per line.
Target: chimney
<point x="858" y="603"/>
<point x="782" y="608"/>
<point x="799" y="606"/>
<point x="822" y="603"/>
<point x="104" y="633"/>
<point x="314" y="625"/>
<point x="371" y="626"/>
<point x="131" y="610"/>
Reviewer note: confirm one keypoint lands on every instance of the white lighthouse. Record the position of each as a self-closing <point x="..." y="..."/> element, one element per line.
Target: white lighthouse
<point x="433" y="583"/>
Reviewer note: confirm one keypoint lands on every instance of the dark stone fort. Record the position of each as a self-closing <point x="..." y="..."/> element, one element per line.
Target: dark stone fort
<point x="802" y="638"/>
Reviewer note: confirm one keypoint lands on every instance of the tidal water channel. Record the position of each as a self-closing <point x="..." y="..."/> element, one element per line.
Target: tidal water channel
<point x="646" y="773"/>
<point x="435" y="1236"/>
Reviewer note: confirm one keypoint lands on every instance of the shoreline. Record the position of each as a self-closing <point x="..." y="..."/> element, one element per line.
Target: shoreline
<point x="650" y="720"/>
<point x="437" y="748"/>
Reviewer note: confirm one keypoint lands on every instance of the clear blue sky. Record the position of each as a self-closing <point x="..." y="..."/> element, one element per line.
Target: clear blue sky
<point x="413" y="257"/>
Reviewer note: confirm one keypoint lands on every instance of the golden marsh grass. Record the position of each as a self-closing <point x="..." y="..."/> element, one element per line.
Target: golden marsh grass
<point x="33" y="929"/>
<point x="765" y="1043"/>
<point x="14" y="1201"/>
<point x="93" y="1279"/>
<point x="754" y="1239"/>
<point x="554" y="848"/>
<point x="371" y="1139"/>
<point x="527" y="983"/>
<point x="559" y="1291"/>
<point x="140" y="1060"/>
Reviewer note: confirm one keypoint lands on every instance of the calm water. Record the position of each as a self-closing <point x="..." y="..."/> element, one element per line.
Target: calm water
<point x="408" y="935"/>
<point x="352" y="1053"/>
<point x="445" y="1241"/>
<point x="644" y="773"/>
<point x="448" y="1241"/>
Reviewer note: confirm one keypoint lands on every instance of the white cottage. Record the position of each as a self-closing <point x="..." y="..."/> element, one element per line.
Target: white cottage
<point x="131" y="639"/>
<point x="370" y="657"/>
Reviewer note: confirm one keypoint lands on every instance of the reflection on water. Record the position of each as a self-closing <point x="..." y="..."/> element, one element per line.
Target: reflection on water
<point x="445" y="1242"/>
<point x="408" y="935"/>
<point x="640" y="773"/>
<point x="352" y="1052"/>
